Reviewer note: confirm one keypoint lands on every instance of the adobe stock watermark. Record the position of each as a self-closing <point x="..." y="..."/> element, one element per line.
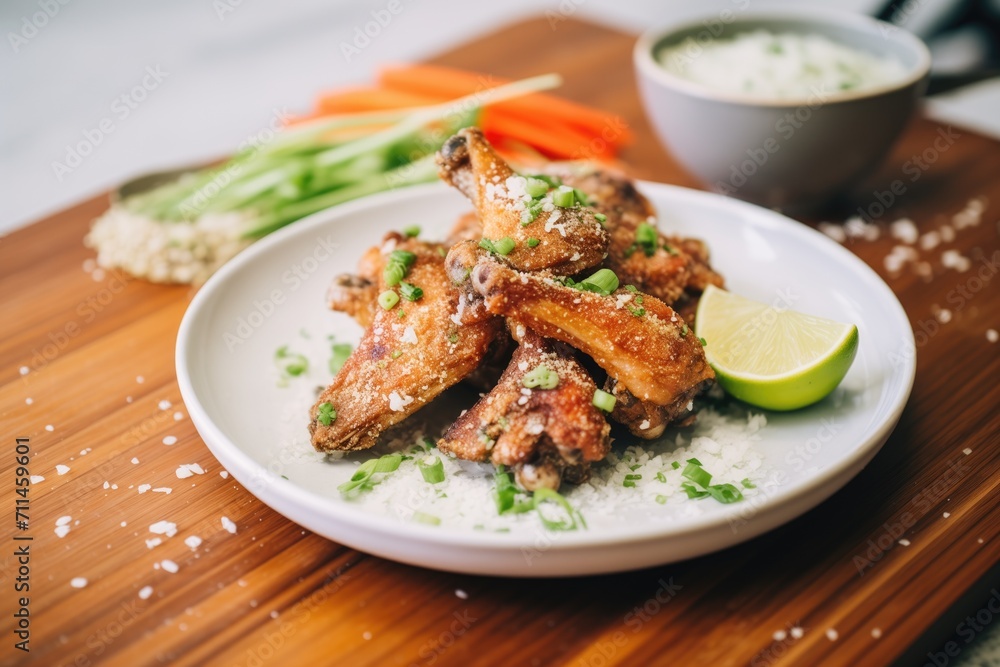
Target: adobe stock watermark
<point x="611" y="131"/>
<point x="922" y="503"/>
<point x="798" y="458"/>
<point x="783" y="300"/>
<point x="264" y="307"/>
<point x="784" y="130"/>
<point x="121" y="108"/>
<point x="694" y="45"/>
<point x="900" y="14"/>
<point x="967" y="629"/>
<point x="604" y="651"/>
<point x="282" y="630"/>
<point x="958" y="298"/>
<point x="247" y="151"/>
<point x="364" y="34"/>
<point x="86" y="311"/>
<point x="421" y="154"/>
<point x="223" y="8"/>
<point x="565" y="10"/>
<point x="781" y="642"/>
<point x="432" y="649"/>
<point x="32" y="25"/>
<point x="913" y="169"/>
<point x="101" y="640"/>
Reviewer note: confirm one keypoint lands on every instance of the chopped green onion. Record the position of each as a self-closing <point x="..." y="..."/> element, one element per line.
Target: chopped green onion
<point x="453" y="338"/>
<point x="412" y="231"/>
<point x="432" y="469"/>
<point x="410" y="292"/>
<point x="361" y="480"/>
<point x="632" y="288"/>
<point x="499" y="247"/>
<point x="339" y="355"/>
<point x="541" y="378"/>
<point x="572" y="516"/>
<point x="637" y="312"/>
<point x="675" y="465"/>
<point x="388" y="299"/>
<point x="747" y="484"/>
<point x="602" y="281"/>
<point x="393" y="273"/>
<point x="505" y="245"/>
<point x="646" y="237"/>
<point x="505" y="494"/>
<point x="399" y="264"/>
<point x="697" y="474"/>
<point x="630" y="480"/>
<point x="404" y="257"/>
<point x="694" y="461"/>
<point x="423" y="517"/>
<point x="396" y="354"/>
<point x="532" y="242"/>
<point x="661" y="499"/>
<point x="400" y="313"/>
<point x="660" y="477"/>
<point x="325" y="414"/>
<point x="692" y="491"/>
<point x="725" y="493"/>
<point x="388" y="463"/>
<point x="702" y="341"/>
<point x="581" y="197"/>
<point x="291" y="363"/>
<point x="530" y="212"/>
<point x="604" y="401"/>
<point x="601" y="218"/>
<point x="536" y="187"/>
<point x="551" y="180"/>
<point x="564" y="197"/>
<point x="684" y="330"/>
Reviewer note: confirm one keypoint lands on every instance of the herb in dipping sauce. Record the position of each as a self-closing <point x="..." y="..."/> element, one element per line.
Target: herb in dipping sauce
<point x="784" y="65"/>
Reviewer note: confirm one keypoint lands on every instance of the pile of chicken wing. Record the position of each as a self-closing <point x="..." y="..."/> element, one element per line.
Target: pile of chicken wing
<point x="509" y="287"/>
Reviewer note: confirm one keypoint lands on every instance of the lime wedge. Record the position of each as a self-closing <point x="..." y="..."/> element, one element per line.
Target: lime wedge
<point x="770" y="357"/>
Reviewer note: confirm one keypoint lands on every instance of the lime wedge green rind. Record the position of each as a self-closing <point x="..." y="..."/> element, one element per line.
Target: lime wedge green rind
<point x="776" y="359"/>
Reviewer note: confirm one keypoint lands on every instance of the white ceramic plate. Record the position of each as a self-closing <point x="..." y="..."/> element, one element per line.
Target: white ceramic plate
<point x="273" y="294"/>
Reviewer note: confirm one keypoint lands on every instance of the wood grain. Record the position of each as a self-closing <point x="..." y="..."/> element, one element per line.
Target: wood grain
<point x="275" y="594"/>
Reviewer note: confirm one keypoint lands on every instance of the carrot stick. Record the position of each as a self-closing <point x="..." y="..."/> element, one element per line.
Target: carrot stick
<point x="448" y="82"/>
<point x="558" y="141"/>
<point x="372" y="99"/>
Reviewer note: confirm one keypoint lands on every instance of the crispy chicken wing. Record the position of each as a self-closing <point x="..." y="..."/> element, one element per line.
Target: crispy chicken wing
<point x="569" y="239"/>
<point x="403" y="362"/>
<point x="357" y="293"/>
<point x="676" y="265"/>
<point x="646" y="348"/>
<point x="545" y="434"/>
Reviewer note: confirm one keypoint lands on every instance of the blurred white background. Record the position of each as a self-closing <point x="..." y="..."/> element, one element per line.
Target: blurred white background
<point x="226" y="66"/>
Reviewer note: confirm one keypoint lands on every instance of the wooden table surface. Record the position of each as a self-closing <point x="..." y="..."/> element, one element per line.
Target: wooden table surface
<point x="273" y="593"/>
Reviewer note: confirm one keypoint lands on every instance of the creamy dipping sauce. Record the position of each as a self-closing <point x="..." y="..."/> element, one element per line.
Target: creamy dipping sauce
<point x="782" y="65"/>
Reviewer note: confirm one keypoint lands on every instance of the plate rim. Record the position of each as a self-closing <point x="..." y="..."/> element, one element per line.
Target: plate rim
<point x="281" y="492"/>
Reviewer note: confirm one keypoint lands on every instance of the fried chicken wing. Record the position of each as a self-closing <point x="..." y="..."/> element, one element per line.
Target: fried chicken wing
<point x="670" y="268"/>
<point x="646" y="348"/>
<point x="356" y="294"/>
<point x="569" y="239"/>
<point x="403" y="362"/>
<point x="545" y="434"/>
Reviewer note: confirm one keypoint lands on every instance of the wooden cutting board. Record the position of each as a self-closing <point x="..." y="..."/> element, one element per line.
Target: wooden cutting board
<point x="99" y="356"/>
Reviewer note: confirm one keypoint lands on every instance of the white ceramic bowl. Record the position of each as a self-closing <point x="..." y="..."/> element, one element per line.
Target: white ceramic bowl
<point x="789" y="153"/>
